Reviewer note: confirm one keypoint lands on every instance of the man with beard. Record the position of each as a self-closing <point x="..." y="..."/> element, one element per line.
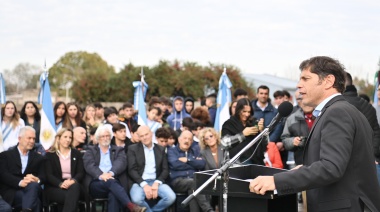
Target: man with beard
<point x="106" y="177"/>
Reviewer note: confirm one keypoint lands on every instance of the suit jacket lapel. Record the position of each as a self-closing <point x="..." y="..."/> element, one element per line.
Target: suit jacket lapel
<point x="17" y="157"/>
<point x="142" y="153"/>
<point x="31" y="156"/>
<point x="220" y="156"/>
<point x="73" y="161"/>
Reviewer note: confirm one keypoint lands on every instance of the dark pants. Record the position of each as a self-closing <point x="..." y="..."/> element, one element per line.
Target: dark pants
<point x="28" y="197"/>
<point x="113" y="190"/>
<point x="67" y="197"/>
<point x="187" y="185"/>
<point x="4" y="206"/>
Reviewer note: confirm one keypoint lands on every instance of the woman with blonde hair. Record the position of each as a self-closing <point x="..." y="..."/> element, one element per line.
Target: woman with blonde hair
<point x="211" y="150"/>
<point x="11" y="125"/>
<point x="64" y="172"/>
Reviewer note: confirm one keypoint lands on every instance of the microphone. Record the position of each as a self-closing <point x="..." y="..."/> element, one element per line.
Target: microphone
<point x="284" y="110"/>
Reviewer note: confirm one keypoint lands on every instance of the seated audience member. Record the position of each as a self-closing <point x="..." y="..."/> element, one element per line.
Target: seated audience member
<point x="211" y="106"/>
<point x="173" y="139"/>
<point x="148" y="170"/>
<point x="183" y="162"/>
<point x="240" y="93"/>
<point x="22" y="173"/>
<point x="135" y="138"/>
<point x="11" y="125"/>
<point x="128" y="118"/>
<point x="79" y="138"/>
<point x="119" y="132"/>
<point x="211" y="150"/>
<point x="106" y="177"/>
<point x="92" y="136"/>
<point x="162" y="136"/>
<point x="201" y="114"/>
<point x="110" y="115"/>
<point x="64" y="172"/>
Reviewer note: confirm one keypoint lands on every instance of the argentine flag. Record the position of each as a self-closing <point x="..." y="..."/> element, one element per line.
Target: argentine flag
<point x="2" y="101"/>
<point x="223" y="101"/>
<point x="140" y="91"/>
<point x="48" y="129"/>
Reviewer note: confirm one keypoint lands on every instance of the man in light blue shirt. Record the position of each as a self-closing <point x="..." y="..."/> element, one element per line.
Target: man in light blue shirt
<point x="148" y="169"/>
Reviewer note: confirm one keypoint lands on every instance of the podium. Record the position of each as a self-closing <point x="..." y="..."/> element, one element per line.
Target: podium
<point x="239" y="196"/>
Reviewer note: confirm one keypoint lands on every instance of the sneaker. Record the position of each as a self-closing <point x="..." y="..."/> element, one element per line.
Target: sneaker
<point x="137" y="208"/>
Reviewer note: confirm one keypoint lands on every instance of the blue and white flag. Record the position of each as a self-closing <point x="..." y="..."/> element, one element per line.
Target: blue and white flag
<point x="2" y="101"/>
<point x="140" y="92"/>
<point x="223" y="101"/>
<point x="48" y="129"/>
<point x="375" y="98"/>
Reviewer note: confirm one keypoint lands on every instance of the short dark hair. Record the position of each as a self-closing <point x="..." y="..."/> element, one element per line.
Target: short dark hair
<point x="187" y="122"/>
<point x="127" y="105"/>
<point x="159" y="111"/>
<point x="154" y="100"/>
<point x="286" y="93"/>
<point x="108" y="111"/>
<point x="348" y="79"/>
<point x="324" y="66"/>
<point x="240" y="92"/>
<point x="262" y="87"/>
<point x="165" y="100"/>
<point x="278" y="93"/>
<point x="117" y="127"/>
<point x="163" y="132"/>
<point x="98" y="105"/>
<point x="135" y="127"/>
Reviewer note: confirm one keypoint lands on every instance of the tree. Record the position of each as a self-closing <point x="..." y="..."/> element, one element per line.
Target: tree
<point x="74" y="67"/>
<point x="22" y="77"/>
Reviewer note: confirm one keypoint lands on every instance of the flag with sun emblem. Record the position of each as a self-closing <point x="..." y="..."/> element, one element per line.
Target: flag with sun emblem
<point x="48" y="129"/>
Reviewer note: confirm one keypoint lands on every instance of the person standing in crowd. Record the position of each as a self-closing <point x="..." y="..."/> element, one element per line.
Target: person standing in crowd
<point x="22" y="173"/>
<point x="64" y="172"/>
<point x="296" y="131"/>
<point x="11" y="125"/>
<point x="338" y="171"/>
<point x="241" y="129"/>
<point x="233" y="107"/>
<point x="32" y="117"/>
<point x="106" y="176"/>
<point x="183" y="162"/>
<point x="278" y="97"/>
<point x="369" y="112"/>
<point x="74" y="115"/>
<point x="61" y="117"/>
<point x="240" y="93"/>
<point x="189" y="105"/>
<point x="264" y="109"/>
<point x="148" y="170"/>
<point x="201" y="114"/>
<point x="151" y="117"/>
<point x="179" y="113"/>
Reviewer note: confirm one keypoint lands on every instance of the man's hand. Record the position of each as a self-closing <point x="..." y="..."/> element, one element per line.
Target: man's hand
<point x="261" y="184"/>
<point x="155" y="190"/>
<point x="148" y="191"/>
<point x="280" y="146"/>
<point x="25" y="182"/>
<point x="106" y="176"/>
<point x="296" y="141"/>
<point x="32" y="178"/>
<point x="183" y="159"/>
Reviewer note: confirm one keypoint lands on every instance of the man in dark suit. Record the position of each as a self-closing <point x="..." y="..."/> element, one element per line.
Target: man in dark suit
<point x="338" y="171"/>
<point x="148" y="169"/>
<point x="22" y="172"/>
<point x="105" y="165"/>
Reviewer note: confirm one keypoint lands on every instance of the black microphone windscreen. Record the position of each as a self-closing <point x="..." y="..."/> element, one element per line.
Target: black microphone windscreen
<point x="285" y="109"/>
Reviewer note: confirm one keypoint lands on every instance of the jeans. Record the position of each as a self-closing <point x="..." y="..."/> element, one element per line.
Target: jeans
<point x="164" y="192"/>
<point x="378" y="172"/>
<point x="4" y="206"/>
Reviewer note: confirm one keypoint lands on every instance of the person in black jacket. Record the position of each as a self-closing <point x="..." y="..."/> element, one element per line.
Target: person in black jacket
<point x="369" y="112"/>
<point x="64" y="172"/>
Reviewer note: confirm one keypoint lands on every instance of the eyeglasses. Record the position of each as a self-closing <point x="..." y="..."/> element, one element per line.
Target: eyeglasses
<point x="208" y="138"/>
<point x="105" y="136"/>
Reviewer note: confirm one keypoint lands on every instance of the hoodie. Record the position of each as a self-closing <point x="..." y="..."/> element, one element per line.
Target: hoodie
<point x="175" y="119"/>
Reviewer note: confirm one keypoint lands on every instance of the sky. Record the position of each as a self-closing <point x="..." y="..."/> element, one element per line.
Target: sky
<point x="258" y="37"/>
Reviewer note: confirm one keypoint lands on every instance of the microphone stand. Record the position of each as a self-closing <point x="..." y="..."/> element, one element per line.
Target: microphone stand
<point x="224" y="169"/>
